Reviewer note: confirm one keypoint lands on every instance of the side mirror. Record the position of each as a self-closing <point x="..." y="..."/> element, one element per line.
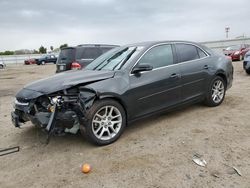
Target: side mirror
<point x="141" y="68"/>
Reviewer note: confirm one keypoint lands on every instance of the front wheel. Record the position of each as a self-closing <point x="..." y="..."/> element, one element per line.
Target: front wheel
<point x="1" y="67"/>
<point x="106" y="121"/>
<point x="216" y="92"/>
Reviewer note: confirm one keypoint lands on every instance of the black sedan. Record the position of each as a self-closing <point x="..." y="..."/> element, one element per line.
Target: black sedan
<point x="123" y="85"/>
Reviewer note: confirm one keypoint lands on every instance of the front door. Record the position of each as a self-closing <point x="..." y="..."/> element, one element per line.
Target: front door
<point x="157" y="89"/>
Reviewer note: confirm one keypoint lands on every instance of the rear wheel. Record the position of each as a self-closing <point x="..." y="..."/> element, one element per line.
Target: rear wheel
<point x="216" y="92"/>
<point x="248" y="71"/>
<point x="1" y="66"/>
<point x="106" y="121"/>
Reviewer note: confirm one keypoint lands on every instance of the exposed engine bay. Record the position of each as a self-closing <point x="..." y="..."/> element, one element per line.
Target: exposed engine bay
<point x="57" y="113"/>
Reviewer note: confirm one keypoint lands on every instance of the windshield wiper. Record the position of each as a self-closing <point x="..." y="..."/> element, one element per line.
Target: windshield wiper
<point x="126" y="59"/>
<point x="113" y="57"/>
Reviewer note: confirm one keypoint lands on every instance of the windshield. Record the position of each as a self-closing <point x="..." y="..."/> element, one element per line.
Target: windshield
<point x="114" y="59"/>
<point x="236" y="47"/>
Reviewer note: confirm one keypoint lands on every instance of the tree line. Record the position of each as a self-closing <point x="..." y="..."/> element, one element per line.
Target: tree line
<point x="41" y="50"/>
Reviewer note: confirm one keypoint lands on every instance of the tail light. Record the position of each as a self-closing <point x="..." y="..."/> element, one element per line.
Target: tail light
<point x="75" y="66"/>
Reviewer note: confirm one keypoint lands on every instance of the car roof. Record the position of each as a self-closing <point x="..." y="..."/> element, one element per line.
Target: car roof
<point x="151" y="43"/>
<point x="91" y="45"/>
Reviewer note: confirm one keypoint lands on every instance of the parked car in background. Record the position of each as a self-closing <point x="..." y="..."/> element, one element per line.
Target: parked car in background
<point x="237" y="52"/>
<point x="30" y="61"/>
<point x="80" y="56"/>
<point x="246" y="62"/>
<point x="48" y="58"/>
<point x="123" y="85"/>
<point x="2" y="65"/>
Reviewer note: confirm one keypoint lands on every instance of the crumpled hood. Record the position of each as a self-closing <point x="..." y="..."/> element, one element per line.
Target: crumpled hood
<point x="68" y="79"/>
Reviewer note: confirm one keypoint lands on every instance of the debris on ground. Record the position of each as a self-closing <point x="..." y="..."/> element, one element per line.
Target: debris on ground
<point x="8" y="151"/>
<point x="237" y="171"/>
<point x="233" y="170"/>
<point x="215" y="174"/>
<point x="199" y="161"/>
<point x="86" y="168"/>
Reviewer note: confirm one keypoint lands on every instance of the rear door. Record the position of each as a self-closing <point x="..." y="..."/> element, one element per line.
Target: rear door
<point x="156" y="89"/>
<point x="86" y="55"/>
<point x="194" y="69"/>
<point x="65" y="58"/>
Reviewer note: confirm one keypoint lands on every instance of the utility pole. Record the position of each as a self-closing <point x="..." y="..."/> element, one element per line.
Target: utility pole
<point x="227" y="29"/>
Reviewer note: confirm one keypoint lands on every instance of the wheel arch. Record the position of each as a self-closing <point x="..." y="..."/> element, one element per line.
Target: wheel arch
<point x="222" y="74"/>
<point x="117" y="99"/>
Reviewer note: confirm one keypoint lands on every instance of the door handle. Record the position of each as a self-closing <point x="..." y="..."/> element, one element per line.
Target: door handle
<point x="174" y="75"/>
<point x="206" y="67"/>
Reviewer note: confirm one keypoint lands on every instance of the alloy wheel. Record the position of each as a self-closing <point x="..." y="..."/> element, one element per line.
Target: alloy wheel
<point x="107" y="123"/>
<point x="218" y="91"/>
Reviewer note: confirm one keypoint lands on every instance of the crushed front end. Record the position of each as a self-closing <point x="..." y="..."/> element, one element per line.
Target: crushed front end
<point x="59" y="112"/>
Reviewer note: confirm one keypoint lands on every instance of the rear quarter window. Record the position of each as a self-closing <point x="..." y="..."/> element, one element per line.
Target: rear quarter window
<point x="201" y="53"/>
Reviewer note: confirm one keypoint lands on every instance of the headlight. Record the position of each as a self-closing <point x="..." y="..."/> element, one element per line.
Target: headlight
<point x="21" y="103"/>
<point x="237" y="53"/>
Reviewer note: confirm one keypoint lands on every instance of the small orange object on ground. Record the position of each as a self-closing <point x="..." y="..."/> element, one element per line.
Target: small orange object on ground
<point x="86" y="168"/>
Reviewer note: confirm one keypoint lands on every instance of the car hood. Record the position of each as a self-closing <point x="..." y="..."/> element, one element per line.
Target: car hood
<point x="68" y="79"/>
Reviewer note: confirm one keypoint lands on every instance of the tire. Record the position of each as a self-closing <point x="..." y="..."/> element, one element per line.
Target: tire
<point x="43" y="62"/>
<point x="248" y="71"/>
<point x="216" y="92"/>
<point x="100" y="129"/>
<point x="1" y="67"/>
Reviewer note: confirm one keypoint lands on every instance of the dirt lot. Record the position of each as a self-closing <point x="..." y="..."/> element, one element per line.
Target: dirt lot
<point x="156" y="152"/>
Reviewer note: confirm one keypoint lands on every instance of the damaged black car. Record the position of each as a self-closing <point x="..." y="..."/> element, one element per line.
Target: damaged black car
<point x="123" y="85"/>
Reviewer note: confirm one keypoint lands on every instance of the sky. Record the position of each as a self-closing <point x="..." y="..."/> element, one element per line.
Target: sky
<point x="28" y="24"/>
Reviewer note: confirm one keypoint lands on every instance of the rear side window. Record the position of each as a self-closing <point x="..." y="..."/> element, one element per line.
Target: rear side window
<point x="186" y="52"/>
<point x="159" y="56"/>
<point x="87" y="53"/>
<point x="66" y="54"/>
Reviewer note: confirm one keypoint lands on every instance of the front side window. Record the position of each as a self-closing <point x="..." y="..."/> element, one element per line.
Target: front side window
<point x="159" y="56"/>
<point x="186" y="52"/>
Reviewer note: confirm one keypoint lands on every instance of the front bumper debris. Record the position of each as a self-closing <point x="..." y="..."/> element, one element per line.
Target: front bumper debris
<point x="15" y="119"/>
<point x="56" y="114"/>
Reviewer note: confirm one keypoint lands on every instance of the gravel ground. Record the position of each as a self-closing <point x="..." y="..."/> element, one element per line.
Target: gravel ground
<point x="154" y="152"/>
